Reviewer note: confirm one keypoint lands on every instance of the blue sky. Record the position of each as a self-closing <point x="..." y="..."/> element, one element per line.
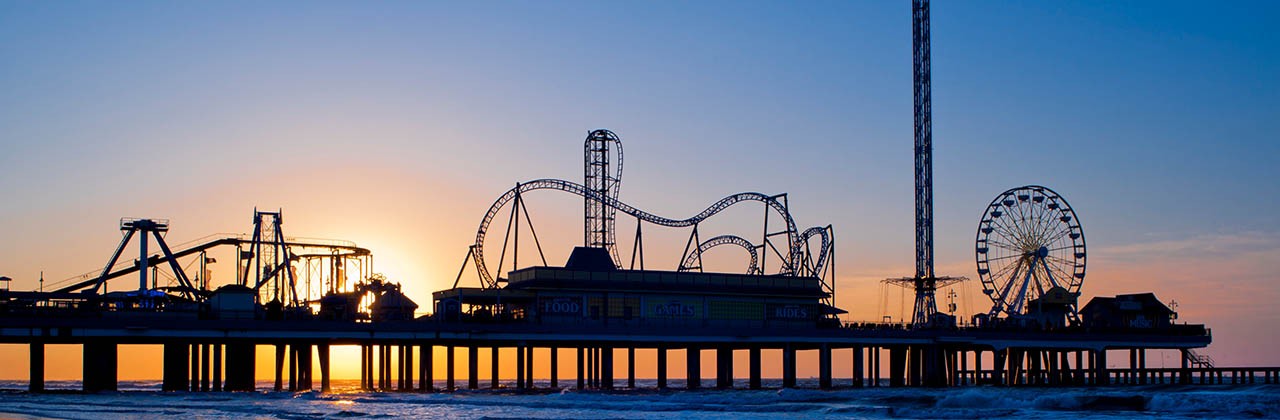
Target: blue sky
<point x="395" y="124"/>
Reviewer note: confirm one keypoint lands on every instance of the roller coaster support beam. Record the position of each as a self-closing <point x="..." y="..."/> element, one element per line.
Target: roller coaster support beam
<point x="692" y="243"/>
<point x="147" y="227"/>
<point x="638" y="246"/>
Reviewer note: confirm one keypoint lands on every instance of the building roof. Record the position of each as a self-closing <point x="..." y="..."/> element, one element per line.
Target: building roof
<point x="652" y="281"/>
<point x="1130" y="302"/>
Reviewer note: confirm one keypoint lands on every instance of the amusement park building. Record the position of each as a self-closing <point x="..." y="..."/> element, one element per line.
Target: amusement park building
<point x="590" y="290"/>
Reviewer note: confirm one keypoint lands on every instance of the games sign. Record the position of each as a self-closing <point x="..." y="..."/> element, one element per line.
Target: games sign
<point x="673" y="308"/>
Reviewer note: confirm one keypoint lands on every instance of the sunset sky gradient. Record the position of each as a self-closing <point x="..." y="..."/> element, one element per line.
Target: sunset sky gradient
<point x="395" y="125"/>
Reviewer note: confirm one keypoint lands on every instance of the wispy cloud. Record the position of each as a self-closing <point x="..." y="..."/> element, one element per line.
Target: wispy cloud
<point x="1202" y="246"/>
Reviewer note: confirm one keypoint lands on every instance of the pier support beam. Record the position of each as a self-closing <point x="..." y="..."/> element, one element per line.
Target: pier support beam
<point x="824" y="366"/>
<point x="217" y="367"/>
<point x="293" y="367"/>
<point x="1079" y="370"/>
<point x="1142" y="366"/>
<point x="977" y="367"/>
<point x="1013" y="376"/>
<point x="693" y="365"/>
<point x="364" y="368"/>
<point x="631" y="367"/>
<point x="555" y="367"/>
<point x="37" y="367"/>
<point x="998" y="359"/>
<point x="400" y="367"/>
<point x="1184" y="372"/>
<point x="448" y="368"/>
<point x="175" y="367"/>
<point x="279" y="366"/>
<point x="305" y="383"/>
<point x="408" y="367"/>
<point x="240" y="367"/>
<point x="528" y="367"/>
<point x="100" y="366"/>
<point x="753" y="360"/>
<point x="875" y="366"/>
<point x="593" y="367"/>
<point x="473" y="367"/>
<point x="1100" y="375"/>
<point x="323" y="350"/>
<point x="204" y="367"/>
<point x="384" y="363"/>
<point x="426" y="373"/>
<point x="788" y="367"/>
<point x="858" y="372"/>
<point x="934" y="372"/>
<point x="493" y="368"/>
<point x="662" y="367"/>
<point x="724" y="367"/>
<point x="606" y="367"/>
<point x="520" y="368"/>
<point x="897" y="366"/>
<point x="195" y="368"/>
<point x="581" y="362"/>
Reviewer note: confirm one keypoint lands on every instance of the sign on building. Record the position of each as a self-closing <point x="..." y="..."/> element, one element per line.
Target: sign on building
<point x="560" y="305"/>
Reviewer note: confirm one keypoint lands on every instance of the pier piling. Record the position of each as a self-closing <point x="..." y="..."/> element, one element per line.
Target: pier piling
<point x="100" y="366"/>
<point x="662" y="367"/>
<point x="693" y="374"/>
<point x="753" y="360"/>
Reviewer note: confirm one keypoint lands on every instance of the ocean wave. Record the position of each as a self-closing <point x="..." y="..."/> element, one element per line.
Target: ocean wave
<point x="1260" y="401"/>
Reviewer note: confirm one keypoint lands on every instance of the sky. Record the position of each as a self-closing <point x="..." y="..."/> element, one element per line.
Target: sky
<point x="396" y="125"/>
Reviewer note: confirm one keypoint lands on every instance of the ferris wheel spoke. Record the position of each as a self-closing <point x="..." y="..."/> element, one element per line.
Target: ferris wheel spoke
<point x="1041" y="233"/>
<point x="1023" y="217"/>
<point x="1048" y="221"/>
<point x="1067" y="278"/>
<point x="1061" y="231"/>
<point x="1003" y="258"/>
<point x="1062" y="261"/>
<point x="1061" y="248"/>
<point x="1020" y="297"/>
<point x="1014" y="213"/>
<point x="1012" y="281"/>
<point x="1049" y="275"/>
<point x="1036" y="215"/>
<point x="1038" y="279"/>
<point x="1003" y="245"/>
<point x="1005" y="270"/>
<point x="1004" y="228"/>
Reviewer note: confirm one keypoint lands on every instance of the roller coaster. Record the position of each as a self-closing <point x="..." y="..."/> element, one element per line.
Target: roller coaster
<point x="267" y="267"/>
<point x="600" y="194"/>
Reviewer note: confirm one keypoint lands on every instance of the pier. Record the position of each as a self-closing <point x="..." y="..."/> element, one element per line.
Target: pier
<point x="212" y="356"/>
<point x="302" y="298"/>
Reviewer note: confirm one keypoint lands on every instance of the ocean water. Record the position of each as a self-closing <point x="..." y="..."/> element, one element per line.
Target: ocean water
<point x="141" y="400"/>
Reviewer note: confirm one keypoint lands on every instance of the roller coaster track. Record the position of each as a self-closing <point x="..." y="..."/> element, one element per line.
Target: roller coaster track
<point x="810" y="268"/>
<point x="94" y="277"/>
<point x="793" y="245"/>
<point x="816" y="268"/>
<point x="696" y="256"/>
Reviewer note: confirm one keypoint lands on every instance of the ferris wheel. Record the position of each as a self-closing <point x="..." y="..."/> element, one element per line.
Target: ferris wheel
<point x="1029" y="245"/>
